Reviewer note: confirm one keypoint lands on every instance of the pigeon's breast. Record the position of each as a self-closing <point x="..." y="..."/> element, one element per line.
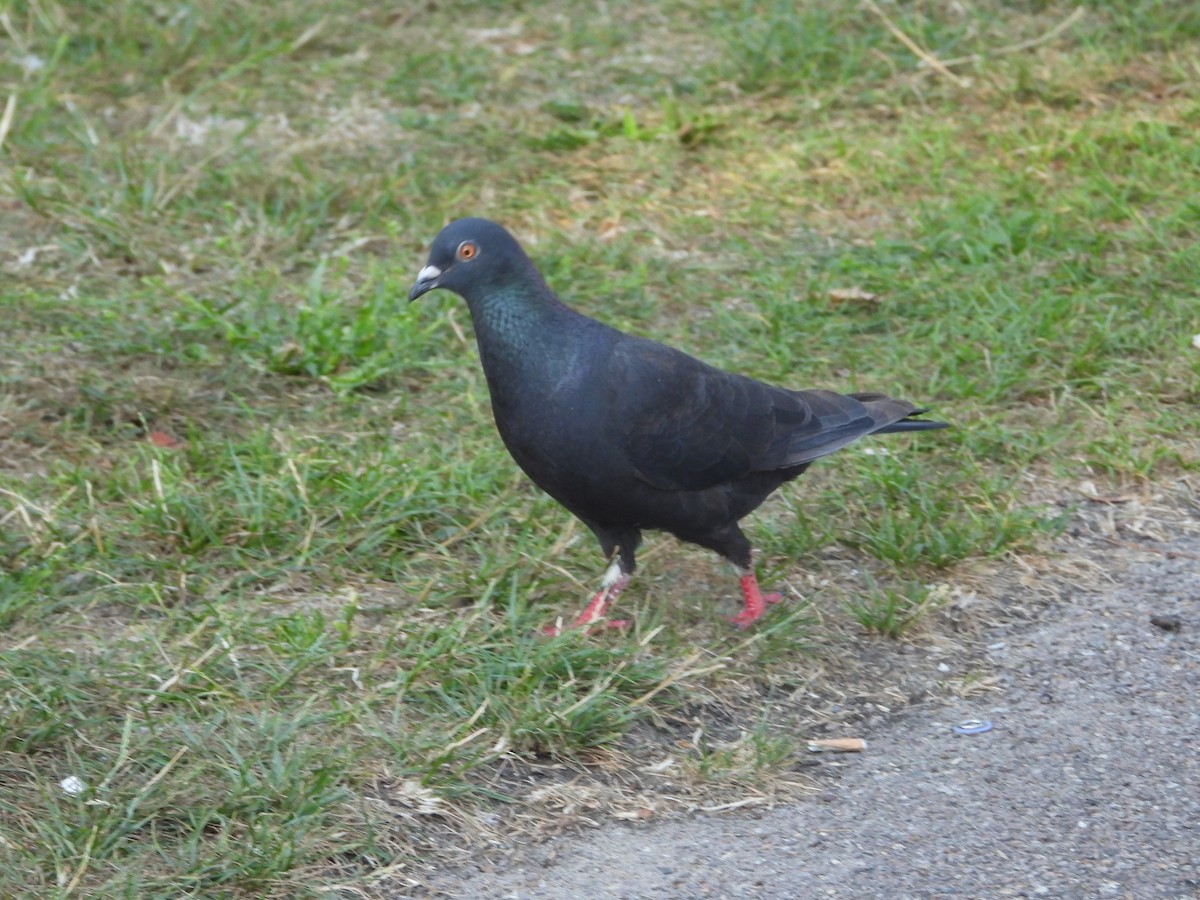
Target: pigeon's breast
<point x="558" y="433"/>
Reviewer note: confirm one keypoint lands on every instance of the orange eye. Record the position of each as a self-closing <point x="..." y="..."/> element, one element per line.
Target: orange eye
<point x="467" y="250"/>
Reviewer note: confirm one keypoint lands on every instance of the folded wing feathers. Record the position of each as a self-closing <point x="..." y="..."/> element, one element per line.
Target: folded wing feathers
<point x="693" y="427"/>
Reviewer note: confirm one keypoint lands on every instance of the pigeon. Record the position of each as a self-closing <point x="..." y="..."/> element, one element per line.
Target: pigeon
<point x="631" y="435"/>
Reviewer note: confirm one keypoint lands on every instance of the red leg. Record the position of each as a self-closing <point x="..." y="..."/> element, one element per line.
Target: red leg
<point x="596" y="609"/>
<point x="756" y="601"/>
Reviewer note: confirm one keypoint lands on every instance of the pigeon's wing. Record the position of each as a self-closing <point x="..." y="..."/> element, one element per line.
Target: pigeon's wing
<point x="687" y="426"/>
<point x="684" y="425"/>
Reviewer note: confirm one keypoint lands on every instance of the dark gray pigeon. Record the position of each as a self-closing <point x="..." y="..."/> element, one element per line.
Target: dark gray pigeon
<point x="629" y="434"/>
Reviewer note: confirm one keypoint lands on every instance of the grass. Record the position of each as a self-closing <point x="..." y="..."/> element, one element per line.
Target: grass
<point x="891" y="611"/>
<point x="271" y="587"/>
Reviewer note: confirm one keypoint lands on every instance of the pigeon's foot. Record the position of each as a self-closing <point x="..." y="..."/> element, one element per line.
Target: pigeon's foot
<point x="756" y="602"/>
<point x="594" y="611"/>
<point x="557" y="629"/>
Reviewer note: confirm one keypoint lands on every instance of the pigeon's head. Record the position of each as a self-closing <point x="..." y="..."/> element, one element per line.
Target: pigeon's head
<point x="470" y="255"/>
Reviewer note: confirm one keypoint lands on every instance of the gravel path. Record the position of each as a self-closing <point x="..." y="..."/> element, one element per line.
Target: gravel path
<point x="1087" y="785"/>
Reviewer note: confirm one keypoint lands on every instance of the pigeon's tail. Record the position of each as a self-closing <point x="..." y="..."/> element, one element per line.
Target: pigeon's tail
<point x="910" y="424"/>
<point x="896" y="415"/>
<point x="841" y="420"/>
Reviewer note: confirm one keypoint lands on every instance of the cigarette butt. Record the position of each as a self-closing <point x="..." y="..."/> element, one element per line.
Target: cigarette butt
<point x="840" y="745"/>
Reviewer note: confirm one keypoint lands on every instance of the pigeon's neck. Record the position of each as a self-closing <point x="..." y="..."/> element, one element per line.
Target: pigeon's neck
<point x="516" y="328"/>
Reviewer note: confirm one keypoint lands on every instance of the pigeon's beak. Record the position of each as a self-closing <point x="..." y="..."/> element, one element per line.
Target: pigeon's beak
<point x="427" y="280"/>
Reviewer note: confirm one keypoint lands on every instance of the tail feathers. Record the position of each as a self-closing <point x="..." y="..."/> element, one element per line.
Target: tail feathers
<point x="909" y="424"/>
<point x="896" y="415"/>
<point x="831" y="421"/>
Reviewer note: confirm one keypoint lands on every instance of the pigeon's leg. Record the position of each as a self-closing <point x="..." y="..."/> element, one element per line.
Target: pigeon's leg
<point x="733" y="545"/>
<point x="620" y="546"/>
<point x="615" y="580"/>
<point x="756" y="600"/>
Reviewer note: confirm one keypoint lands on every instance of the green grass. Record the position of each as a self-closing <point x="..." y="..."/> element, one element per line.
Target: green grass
<point x="301" y="643"/>
<point x="891" y="611"/>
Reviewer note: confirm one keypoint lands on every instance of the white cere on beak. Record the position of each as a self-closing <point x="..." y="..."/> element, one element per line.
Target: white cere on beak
<point x="428" y="273"/>
<point x="611" y="575"/>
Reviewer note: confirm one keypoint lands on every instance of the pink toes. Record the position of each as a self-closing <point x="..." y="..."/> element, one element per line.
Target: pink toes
<point x="756" y="602"/>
